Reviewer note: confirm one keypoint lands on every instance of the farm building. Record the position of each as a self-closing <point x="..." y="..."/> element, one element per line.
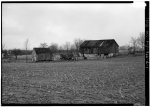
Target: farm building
<point x="41" y="54"/>
<point x="100" y="47"/>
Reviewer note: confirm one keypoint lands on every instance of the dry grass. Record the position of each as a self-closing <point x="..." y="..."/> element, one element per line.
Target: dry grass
<point x="114" y="80"/>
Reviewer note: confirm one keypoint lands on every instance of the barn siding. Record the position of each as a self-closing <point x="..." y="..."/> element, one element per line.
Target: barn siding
<point x="90" y="50"/>
<point x="95" y="50"/>
<point x="41" y="54"/>
<point x="106" y="47"/>
<point x="44" y="57"/>
<point x="114" y="48"/>
<point x="110" y="49"/>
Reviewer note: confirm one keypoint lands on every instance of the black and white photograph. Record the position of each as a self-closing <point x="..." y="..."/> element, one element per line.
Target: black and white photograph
<point x="73" y="53"/>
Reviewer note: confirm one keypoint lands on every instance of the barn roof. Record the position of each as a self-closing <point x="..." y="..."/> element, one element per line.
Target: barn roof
<point x="42" y="50"/>
<point x="98" y="43"/>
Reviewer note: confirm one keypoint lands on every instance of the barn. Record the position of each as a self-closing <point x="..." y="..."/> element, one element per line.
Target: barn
<point x="100" y="47"/>
<point x="41" y="54"/>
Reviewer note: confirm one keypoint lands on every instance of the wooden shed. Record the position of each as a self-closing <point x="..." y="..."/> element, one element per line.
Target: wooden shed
<point x="99" y="47"/>
<point x="41" y="54"/>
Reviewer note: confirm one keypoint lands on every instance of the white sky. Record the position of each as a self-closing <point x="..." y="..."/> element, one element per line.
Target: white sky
<point x="60" y="23"/>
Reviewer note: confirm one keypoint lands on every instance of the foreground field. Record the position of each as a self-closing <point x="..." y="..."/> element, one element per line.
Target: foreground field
<point x="114" y="80"/>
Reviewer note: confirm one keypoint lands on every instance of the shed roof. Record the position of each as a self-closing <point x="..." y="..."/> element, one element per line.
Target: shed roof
<point x="42" y="50"/>
<point x="98" y="43"/>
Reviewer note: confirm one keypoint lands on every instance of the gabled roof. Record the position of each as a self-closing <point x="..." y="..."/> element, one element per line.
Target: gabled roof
<point x="98" y="43"/>
<point x="42" y="50"/>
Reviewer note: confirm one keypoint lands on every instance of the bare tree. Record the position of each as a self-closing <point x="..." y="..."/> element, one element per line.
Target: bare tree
<point x="26" y="47"/>
<point x="43" y="45"/>
<point x="77" y="43"/>
<point x="72" y="47"/>
<point x="60" y="48"/>
<point x="141" y="40"/>
<point x="67" y="46"/>
<point x="133" y="43"/>
<point x="54" y="47"/>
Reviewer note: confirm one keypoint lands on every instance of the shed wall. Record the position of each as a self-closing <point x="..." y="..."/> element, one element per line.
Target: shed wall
<point x="34" y="56"/>
<point x="44" y="57"/>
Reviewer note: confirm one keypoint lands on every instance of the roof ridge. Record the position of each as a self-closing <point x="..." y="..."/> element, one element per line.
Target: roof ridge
<point x="95" y="43"/>
<point x="100" y="39"/>
<point x="42" y="50"/>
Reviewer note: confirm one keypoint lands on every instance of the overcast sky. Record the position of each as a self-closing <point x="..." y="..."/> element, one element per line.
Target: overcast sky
<point x="58" y="23"/>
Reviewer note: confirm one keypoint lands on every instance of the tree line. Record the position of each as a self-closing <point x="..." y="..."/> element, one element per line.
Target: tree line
<point x="16" y="52"/>
<point x="136" y="44"/>
<point x="54" y="47"/>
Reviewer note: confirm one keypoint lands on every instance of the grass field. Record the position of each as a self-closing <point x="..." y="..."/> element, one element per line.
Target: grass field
<point x="113" y="80"/>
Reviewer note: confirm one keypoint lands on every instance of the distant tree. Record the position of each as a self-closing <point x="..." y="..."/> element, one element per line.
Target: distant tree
<point x="67" y="46"/>
<point x="60" y="48"/>
<point x="141" y="40"/>
<point x="133" y="43"/>
<point x="43" y="45"/>
<point x="54" y="47"/>
<point x="77" y="43"/>
<point x="16" y="52"/>
<point x="72" y="47"/>
<point x="26" y="47"/>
